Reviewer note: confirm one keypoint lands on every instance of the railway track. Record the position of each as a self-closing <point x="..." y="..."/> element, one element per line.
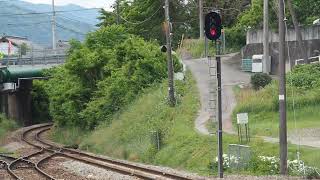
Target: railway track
<point x="47" y="150"/>
<point x="4" y="171"/>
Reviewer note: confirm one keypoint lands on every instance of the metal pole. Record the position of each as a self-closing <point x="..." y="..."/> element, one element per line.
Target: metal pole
<point x="53" y="26"/>
<point x="220" y="150"/>
<point x="206" y="46"/>
<point x="282" y="93"/>
<point x="201" y="19"/>
<point x="224" y="41"/>
<point x="265" y="35"/>
<point x="172" y="100"/>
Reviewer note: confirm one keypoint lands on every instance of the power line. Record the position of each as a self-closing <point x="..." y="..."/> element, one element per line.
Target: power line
<point x="141" y="22"/>
<point x="69" y="29"/>
<point x="8" y="1"/>
<point x="48" y="12"/>
<point x="71" y="19"/>
<point x="26" y="24"/>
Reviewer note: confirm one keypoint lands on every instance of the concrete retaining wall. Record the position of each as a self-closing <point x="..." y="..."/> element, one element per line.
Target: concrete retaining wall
<point x="312" y="47"/>
<point x="308" y="33"/>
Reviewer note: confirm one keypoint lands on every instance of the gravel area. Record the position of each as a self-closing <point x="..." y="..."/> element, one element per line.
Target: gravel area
<point x="4" y="175"/>
<point x="56" y="169"/>
<point x="92" y="172"/>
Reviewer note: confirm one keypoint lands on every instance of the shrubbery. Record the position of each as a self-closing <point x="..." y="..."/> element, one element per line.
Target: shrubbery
<point x="266" y="165"/>
<point x="6" y="125"/>
<point x="40" y="102"/>
<point x="102" y="75"/>
<point x="305" y="76"/>
<point x="260" y="80"/>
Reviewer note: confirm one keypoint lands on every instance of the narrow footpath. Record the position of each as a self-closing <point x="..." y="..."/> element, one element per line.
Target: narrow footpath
<point x="233" y="76"/>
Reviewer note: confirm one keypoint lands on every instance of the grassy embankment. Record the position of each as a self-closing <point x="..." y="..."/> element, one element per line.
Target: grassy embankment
<point x="6" y="126"/>
<point x="262" y="107"/>
<point x="302" y="92"/>
<point x="129" y="136"/>
<point x="196" y="47"/>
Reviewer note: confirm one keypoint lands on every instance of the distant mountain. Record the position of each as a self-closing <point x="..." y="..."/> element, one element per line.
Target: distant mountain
<point x="37" y="27"/>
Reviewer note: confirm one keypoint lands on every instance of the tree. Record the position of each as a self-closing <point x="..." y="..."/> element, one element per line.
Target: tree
<point x="23" y="49"/>
<point x="145" y="17"/>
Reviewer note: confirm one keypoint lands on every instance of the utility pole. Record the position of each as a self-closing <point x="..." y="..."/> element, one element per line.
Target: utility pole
<point x="118" y="13"/>
<point x="172" y="99"/>
<point x="265" y="35"/>
<point x="220" y="148"/>
<point x="53" y="26"/>
<point x="282" y="93"/>
<point x="298" y="32"/>
<point x="201" y="20"/>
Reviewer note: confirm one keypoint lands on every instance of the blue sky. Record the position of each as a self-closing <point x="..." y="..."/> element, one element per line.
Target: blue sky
<point x="85" y="3"/>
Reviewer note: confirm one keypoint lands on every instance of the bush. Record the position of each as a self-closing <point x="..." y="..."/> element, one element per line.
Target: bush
<point x="305" y="76"/>
<point x="103" y="75"/>
<point x="6" y="125"/>
<point x="40" y="103"/>
<point x="260" y="80"/>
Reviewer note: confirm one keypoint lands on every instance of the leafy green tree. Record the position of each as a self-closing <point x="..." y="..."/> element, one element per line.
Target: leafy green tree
<point x="145" y="18"/>
<point x="102" y="75"/>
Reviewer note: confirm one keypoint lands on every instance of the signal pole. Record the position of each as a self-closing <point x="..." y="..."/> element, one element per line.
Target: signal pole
<point x="172" y="99"/>
<point x="265" y="35"/>
<point x="53" y="26"/>
<point x="220" y="148"/>
<point x="282" y="93"/>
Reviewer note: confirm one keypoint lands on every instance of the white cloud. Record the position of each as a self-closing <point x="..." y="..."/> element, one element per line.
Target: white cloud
<point x="84" y="3"/>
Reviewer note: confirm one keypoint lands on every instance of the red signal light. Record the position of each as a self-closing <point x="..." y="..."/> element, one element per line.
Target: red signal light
<point x="213" y="31"/>
<point x="213" y="26"/>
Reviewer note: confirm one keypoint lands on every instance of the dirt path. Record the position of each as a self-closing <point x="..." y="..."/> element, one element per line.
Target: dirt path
<point x="231" y="76"/>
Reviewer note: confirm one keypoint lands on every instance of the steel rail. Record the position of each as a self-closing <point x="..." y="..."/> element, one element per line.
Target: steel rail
<point x="106" y="163"/>
<point x="6" y="167"/>
<point x="25" y="158"/>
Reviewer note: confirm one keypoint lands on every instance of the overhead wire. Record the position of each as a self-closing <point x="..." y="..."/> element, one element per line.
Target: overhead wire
<point x="25" y="24"/>
<point x="48" y="12"/>
<point x="140" y="22"/>
<point x="69" y="29"/>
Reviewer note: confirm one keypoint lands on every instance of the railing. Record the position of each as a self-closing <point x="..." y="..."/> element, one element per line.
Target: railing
<point x="33" y="57"/>
<point x="312" y="60"/>
<point x="54" y="59"/>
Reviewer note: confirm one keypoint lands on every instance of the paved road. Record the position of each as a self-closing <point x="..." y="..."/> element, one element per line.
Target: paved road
<point x="231" y="76"/>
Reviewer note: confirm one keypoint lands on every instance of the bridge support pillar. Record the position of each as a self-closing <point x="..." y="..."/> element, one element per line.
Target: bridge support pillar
<point x="19" y="103"/>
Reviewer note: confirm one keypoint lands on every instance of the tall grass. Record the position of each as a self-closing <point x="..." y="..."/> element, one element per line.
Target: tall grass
<point x="6" y="125"/>
<point x="196" y="47"/>
<point x="262" y="107"/>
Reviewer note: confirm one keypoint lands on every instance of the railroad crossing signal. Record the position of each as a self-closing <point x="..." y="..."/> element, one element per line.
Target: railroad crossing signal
<point x="213" y="26"/>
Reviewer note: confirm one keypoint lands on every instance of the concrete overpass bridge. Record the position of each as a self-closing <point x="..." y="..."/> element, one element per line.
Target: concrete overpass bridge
<point x="16" y="84"/>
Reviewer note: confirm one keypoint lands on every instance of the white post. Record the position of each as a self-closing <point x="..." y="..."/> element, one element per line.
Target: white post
<point x="266" y="55"/>
<point x="53" y="26"/>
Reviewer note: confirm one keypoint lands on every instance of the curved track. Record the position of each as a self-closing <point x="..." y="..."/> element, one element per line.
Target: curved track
<point x="52" y="150"/>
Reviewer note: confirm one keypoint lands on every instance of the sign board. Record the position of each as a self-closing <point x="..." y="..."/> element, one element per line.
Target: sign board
<point x="242" y="118"/>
